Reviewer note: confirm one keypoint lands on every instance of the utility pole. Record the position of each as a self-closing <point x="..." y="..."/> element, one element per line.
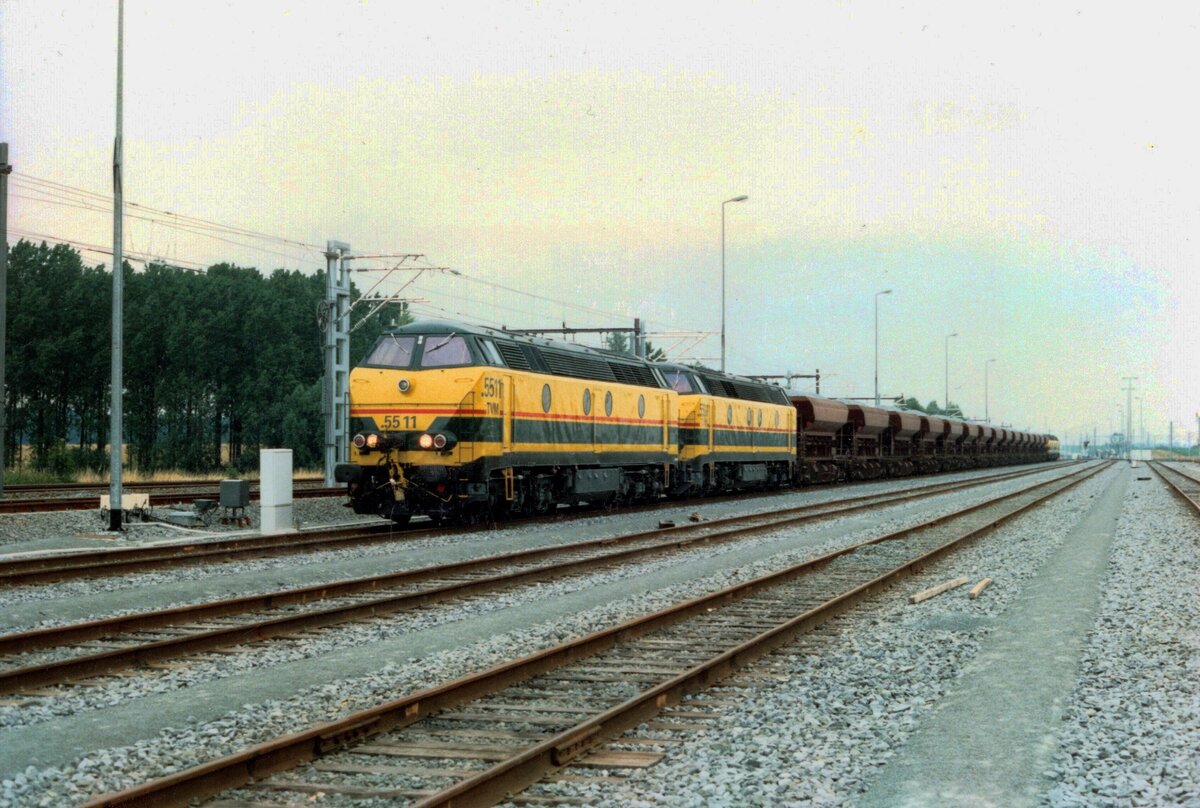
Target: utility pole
<point x="877" y="296"/>
<point x="5" y="170"/>
<point x="1129" y="380"/>
<point x="116" y="430"/>
<point x="336" y="326"/>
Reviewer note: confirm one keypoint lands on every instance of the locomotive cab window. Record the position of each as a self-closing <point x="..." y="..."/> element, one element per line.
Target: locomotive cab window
<point x="491" y="353"/>
<point x="392" y="351"/>
<point x="679" y="381"/>
<point x="445" y="352"/>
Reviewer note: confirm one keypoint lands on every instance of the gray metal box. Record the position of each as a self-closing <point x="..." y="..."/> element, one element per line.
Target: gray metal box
<point x="235" y="493"/>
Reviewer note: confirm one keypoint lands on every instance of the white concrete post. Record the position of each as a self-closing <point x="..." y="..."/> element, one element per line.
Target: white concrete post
<point x="275" y="490"/>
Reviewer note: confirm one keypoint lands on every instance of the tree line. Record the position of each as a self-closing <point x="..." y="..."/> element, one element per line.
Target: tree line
<point x="216" y="364"/>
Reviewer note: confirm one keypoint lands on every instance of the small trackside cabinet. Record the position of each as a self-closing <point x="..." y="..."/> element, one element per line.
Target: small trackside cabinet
<point x="235" y="493"/>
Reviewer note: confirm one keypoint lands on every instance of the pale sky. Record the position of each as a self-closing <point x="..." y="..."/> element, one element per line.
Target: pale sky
<point x="1024" y="175"/>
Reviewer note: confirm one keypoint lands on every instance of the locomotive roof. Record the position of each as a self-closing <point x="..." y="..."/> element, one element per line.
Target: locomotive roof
<point x="437" y="327"/>
<point x="522" y="352"/>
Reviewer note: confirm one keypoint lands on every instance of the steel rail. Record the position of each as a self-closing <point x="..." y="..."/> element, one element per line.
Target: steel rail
<point x="91" y="664"/>
<point x="91" y="563"/>
<point x="1182" y="485"/>
<point x="28" y="488"/>
<point x="295" y="749"/>
<point x="519" y="772"/>
<point x="28" y="505"/>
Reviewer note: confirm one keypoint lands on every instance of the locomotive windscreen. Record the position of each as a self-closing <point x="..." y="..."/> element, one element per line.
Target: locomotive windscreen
<point x="392" y="351"/>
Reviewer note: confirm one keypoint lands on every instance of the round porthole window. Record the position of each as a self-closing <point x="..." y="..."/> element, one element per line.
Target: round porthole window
<point x="641" y="406"/>
<point x="545" y="398"/>
<point x="760" y="417"/>
<point x="729" y="414"/>
<point x="587" y="402"/>
<point x="749" y="417"/>
<point x="608" y="403"/>
<point x="776" y="420"/>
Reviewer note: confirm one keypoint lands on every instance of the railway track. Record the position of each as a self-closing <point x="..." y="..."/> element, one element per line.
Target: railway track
<point x="101" y="488"/>
<point x="42" y="569"/>
<point x="81" y="503"/>
<point x="1181" y="483"/>
<point x="104" y="646"/>
<point x="481" y="738"/>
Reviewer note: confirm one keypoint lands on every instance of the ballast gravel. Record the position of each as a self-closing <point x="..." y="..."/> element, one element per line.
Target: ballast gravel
<point x="179" y="747"/>
<point x="71" y="701"/>
<point x="1132" y="730"/>
<point x="275" y="569"/>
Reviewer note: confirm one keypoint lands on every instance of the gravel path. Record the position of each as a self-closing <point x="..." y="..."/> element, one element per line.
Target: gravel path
<point x="186" y="743"/>
<point x="1132" y="730"/>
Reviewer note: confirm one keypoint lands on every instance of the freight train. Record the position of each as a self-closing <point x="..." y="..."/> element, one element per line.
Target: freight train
<point x="461" y="422"/>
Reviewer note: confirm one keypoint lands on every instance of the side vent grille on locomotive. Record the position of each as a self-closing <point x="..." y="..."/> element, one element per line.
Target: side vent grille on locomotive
<point x="514" y="357"/>
<point x="581" y="367"/>
<point x="734" y="388"/>
<point x="633" y="374"/>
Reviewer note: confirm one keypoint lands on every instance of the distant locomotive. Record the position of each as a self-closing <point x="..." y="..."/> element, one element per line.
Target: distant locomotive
<point x="455" y="421"/>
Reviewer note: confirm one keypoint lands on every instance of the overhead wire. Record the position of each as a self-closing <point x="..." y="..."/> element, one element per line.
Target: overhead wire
<point x="195" y="221"/>
<point x="46" y="191"/>
<point x="153" y="220"/>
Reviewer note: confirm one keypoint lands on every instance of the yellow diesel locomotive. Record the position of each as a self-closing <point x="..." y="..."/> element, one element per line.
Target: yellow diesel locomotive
<point x="459" y="421"/>
<point x="733" y="432"/>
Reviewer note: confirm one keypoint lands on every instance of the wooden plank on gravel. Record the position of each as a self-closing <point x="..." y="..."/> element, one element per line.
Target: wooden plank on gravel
<point x="934" y="591"/>
<point x="332" y="788"/>
<point x="977" y="590"/>
<point x="670" y="726"/>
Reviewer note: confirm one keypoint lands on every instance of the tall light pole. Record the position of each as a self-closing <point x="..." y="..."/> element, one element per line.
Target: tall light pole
<point x="1129" y="380"/>
<point x="946" y="398"/>
<point x="5" y="170"/>
<point x="985" y="389"/>
<point x="741" y="198"/>
<point x="877" y="295"/>
<point x="115" y="430"/>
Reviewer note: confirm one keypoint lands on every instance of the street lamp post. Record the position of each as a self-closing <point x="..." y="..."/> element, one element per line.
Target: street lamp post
<point x="877" y="295"/>
<point x="741" y="198"/>
<point x="946" y="397"/>
<point x="985" y="389"/>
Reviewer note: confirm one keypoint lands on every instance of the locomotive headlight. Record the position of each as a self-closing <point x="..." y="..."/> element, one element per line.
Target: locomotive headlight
<point x="439" y="441"/>
<point x="425" y="441"/>
<point x="359" y="441"/>
<point x="404" y="385"/>
<point x="372" y="440"/>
